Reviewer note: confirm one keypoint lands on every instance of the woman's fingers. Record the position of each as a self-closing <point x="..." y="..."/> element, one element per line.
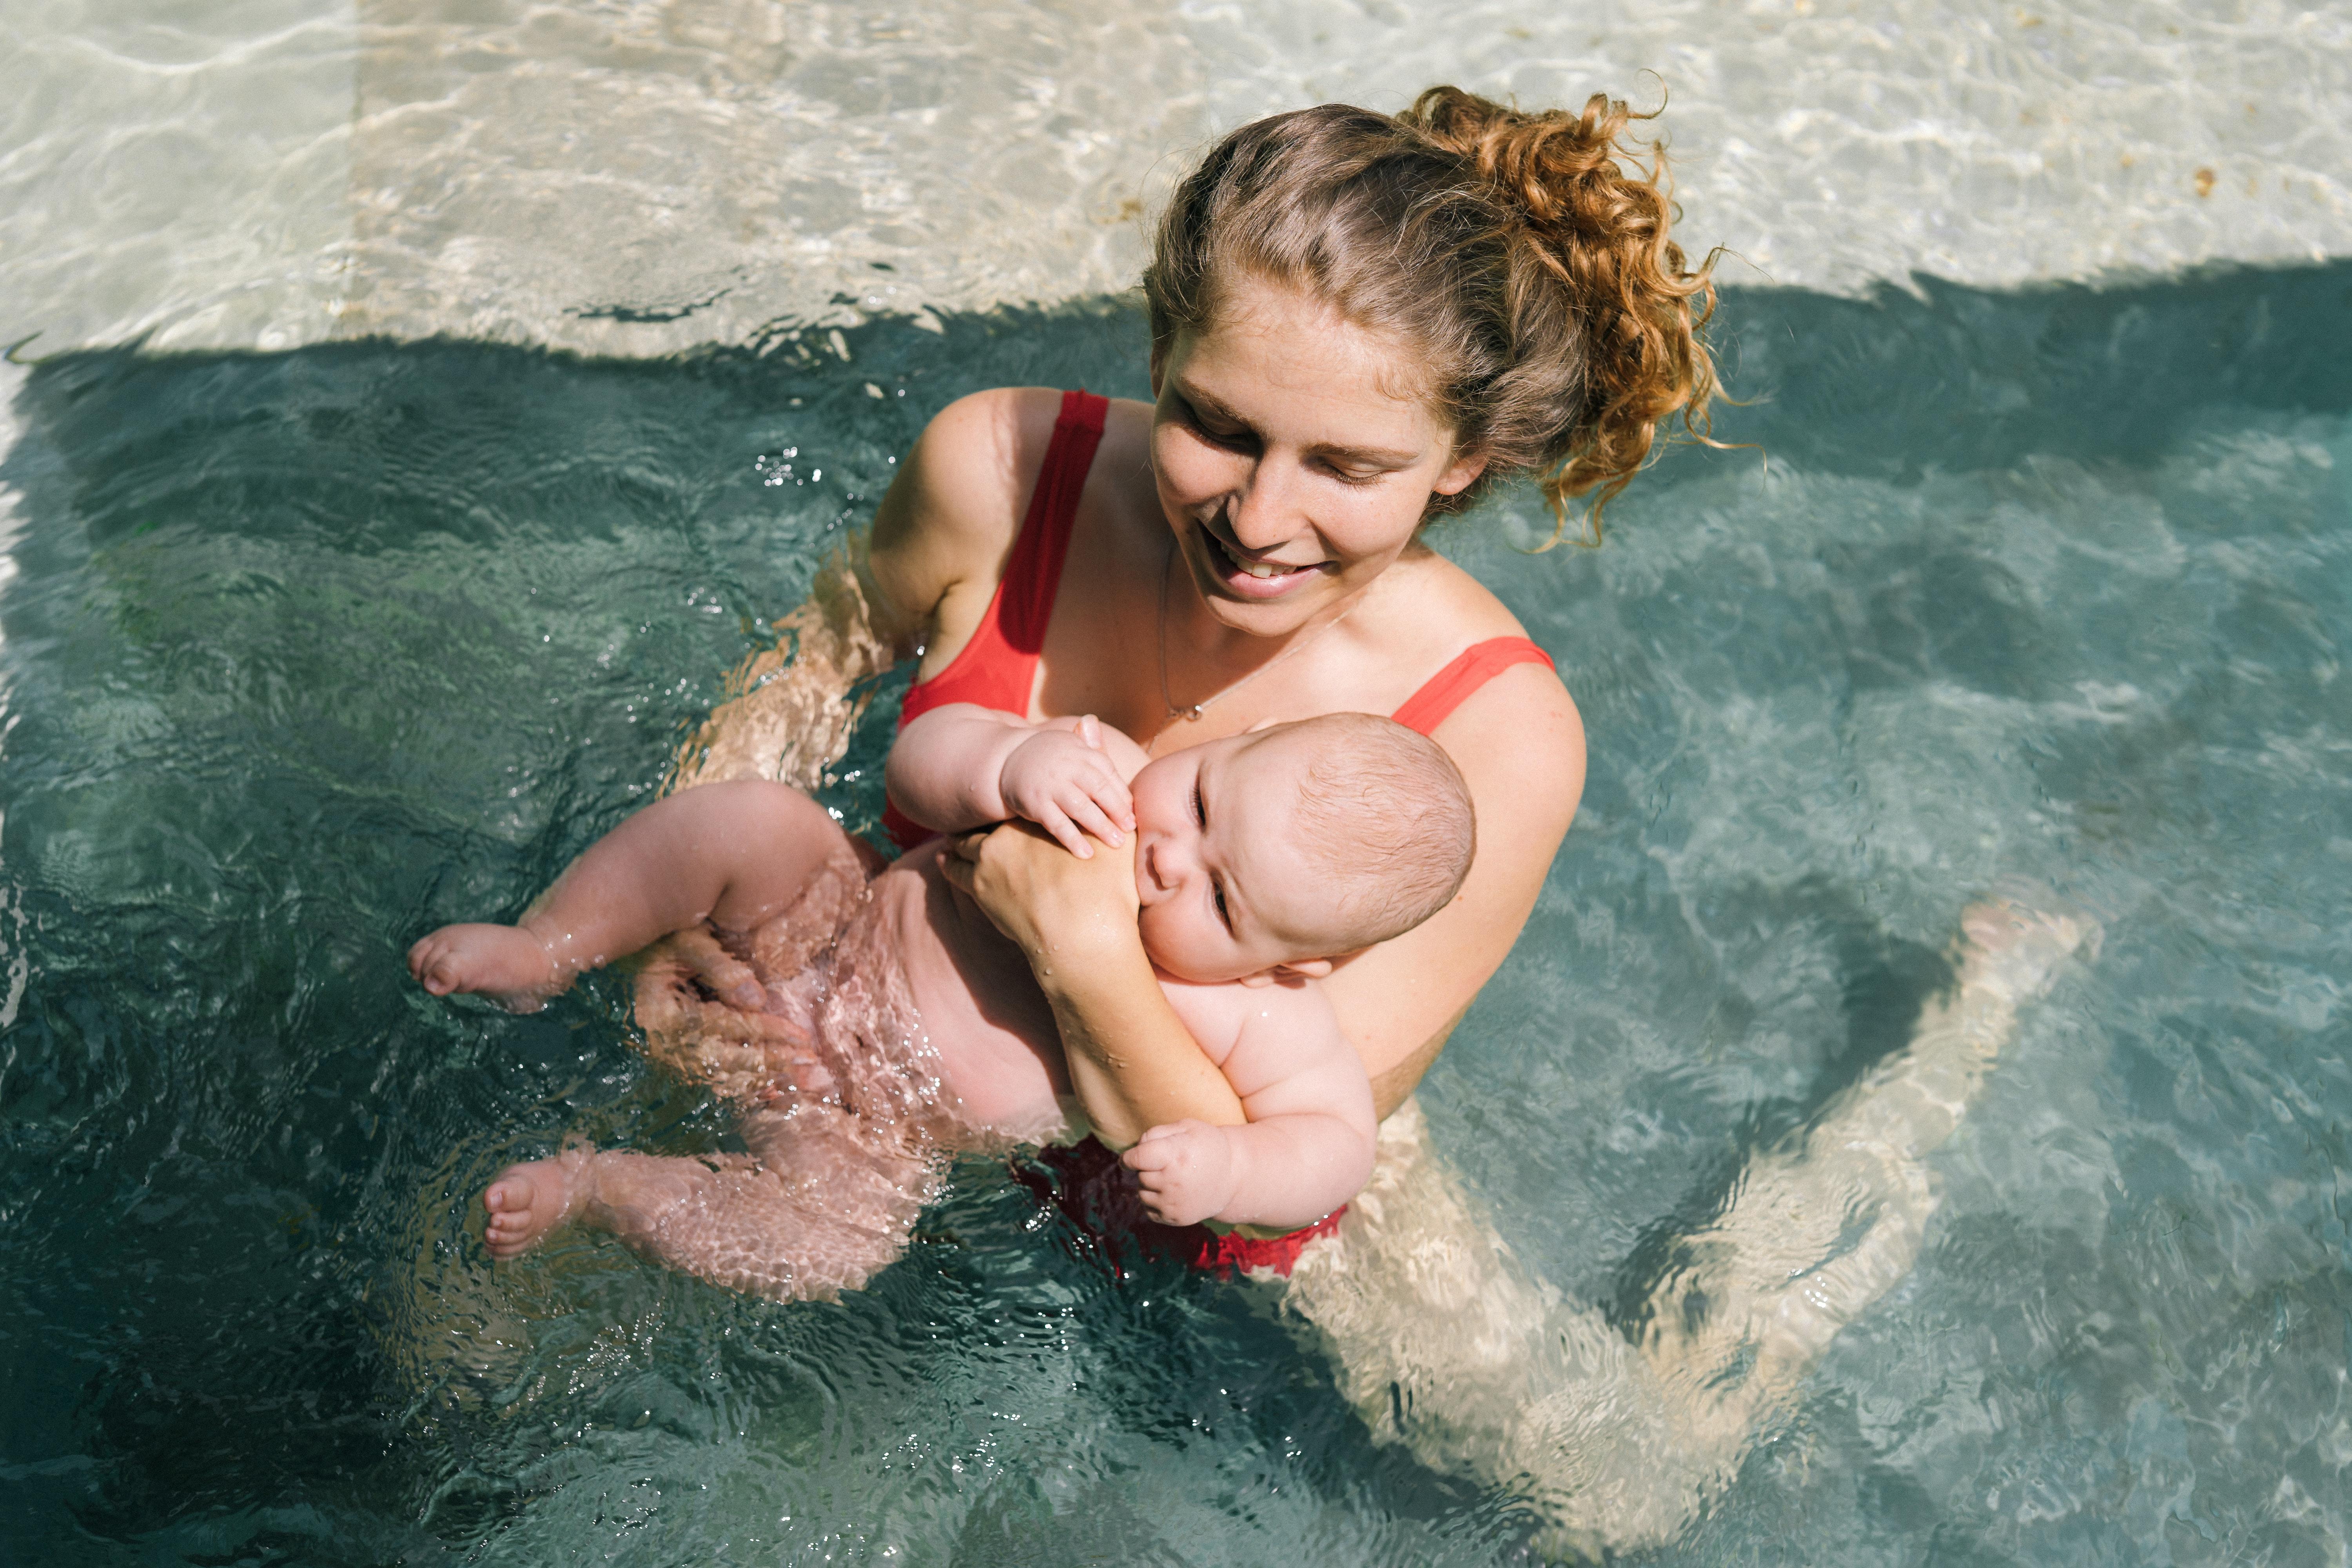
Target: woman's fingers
<point x="721" y="972"/>
<point x="1042" y="896"/>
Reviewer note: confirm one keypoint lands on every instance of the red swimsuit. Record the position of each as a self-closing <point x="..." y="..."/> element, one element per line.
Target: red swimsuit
<point x="998" y="669"/>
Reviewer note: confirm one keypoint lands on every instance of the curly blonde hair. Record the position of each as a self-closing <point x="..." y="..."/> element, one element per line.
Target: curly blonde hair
<point x="1526" y="258"/>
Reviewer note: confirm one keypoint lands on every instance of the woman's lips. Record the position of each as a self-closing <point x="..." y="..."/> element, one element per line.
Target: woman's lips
<point x="1254" y="580"/>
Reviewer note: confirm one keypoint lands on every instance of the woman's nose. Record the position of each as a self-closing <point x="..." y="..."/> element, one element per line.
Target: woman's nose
<point x="1265" y="511"/>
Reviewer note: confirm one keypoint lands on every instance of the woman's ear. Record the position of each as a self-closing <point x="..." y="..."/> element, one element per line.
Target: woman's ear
<point x="1460" y="475"/>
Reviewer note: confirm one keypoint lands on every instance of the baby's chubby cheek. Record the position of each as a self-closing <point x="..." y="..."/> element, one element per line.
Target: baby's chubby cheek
<point x="1175" y="948"/>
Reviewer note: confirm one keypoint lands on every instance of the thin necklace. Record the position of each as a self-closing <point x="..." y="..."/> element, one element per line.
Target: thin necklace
<point x="1186" y="715"/>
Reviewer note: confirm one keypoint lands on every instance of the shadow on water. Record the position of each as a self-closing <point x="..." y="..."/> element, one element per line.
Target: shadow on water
<point x="307" y="652"/>
<point x="1897" y="384"/>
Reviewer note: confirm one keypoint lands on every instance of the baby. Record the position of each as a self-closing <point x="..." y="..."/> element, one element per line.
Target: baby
<point x="906" y="1028"/>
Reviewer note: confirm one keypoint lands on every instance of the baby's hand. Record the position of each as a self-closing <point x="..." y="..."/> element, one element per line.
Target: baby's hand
<point x="1186" y="1170"/>
<point x="1064" y="780"/>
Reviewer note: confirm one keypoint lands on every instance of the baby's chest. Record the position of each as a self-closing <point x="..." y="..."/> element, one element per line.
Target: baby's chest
<point x="1238" y="1028"/>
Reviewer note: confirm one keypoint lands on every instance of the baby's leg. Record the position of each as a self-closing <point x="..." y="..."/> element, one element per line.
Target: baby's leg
<point x="736" y="854"/>
<point x="823" y="1202"/>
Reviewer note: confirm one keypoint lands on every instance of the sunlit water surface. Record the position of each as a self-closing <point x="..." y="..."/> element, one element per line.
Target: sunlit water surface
<point x="306" y="653"/>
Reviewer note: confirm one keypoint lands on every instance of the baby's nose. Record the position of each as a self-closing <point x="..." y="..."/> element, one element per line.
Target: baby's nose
<point x="1164" y="869"/>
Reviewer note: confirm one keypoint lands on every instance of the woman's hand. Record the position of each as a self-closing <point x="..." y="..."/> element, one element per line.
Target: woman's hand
<point x="728" y="1040"/>
<point x="1055" y="906"/>
<point x="1132" y="1061"/>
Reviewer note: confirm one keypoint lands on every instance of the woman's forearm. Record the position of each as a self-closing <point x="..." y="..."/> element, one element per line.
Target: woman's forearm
<point x="1133" y="1063"/>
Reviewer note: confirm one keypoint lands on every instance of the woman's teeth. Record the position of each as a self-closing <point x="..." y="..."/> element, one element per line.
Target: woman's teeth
<point x="1258" y="569"/>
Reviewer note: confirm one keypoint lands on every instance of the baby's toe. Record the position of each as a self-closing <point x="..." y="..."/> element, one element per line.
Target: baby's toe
<point x="435" y="966"/>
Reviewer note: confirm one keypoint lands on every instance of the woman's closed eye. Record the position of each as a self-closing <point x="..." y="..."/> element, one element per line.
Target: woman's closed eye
<point x="1217" y="433"/>
<point x="1347" y="475"/>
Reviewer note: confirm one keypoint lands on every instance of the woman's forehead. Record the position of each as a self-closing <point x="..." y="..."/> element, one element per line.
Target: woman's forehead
<point x="1280" y="350"/>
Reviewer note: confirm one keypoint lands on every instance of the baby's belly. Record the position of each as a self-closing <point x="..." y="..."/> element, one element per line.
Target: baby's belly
<point x="987" y="1022"/>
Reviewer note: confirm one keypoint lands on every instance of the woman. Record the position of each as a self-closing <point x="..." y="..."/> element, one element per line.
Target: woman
<point x="1360" y="322"/>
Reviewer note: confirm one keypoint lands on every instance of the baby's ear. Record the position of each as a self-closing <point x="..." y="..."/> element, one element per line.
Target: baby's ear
<point x="1307" y="968"/>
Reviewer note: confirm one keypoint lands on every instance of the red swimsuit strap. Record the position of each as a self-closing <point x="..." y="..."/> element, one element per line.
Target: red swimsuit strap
<point x="1474" y="666"/>
<point x="997" y="668"/>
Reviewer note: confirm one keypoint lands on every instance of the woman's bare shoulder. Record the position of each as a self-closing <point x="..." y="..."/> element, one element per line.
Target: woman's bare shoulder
<point x="954" y="509"/>
<point x="1520" y="729"/>
<point x="1452" y="601"/>
<point x="1422" y="612"/>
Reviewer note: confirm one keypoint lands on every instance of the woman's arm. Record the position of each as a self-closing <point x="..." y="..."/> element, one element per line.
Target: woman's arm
<point x="949" y="522"/>
<point x="941" y="539"/>
<point x="1521" y="746"/>
<point x="1519" y="743"/>
<point x="1132" y="1060"/>
<point x="1308" y="1145"/>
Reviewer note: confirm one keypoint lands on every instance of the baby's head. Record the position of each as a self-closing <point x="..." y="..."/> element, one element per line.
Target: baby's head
<point x="1282" y="849"/>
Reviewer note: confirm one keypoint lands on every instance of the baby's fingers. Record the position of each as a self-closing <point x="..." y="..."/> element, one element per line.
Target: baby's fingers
<point x="1162" y="1146"/>
<point x="1109" y="792"/>
<point x="1154" y="1155"/>
<point x="1068" y="834"/>
<point x="1090" y="814"/>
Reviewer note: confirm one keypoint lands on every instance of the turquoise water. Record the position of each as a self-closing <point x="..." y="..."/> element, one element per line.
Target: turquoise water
<point x="304" y="653"/>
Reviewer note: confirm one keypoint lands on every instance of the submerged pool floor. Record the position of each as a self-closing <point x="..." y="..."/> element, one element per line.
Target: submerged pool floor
<point x="306" y="653"/>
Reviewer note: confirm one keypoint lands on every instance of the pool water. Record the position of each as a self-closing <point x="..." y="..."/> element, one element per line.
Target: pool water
<point x="304" y="653"/>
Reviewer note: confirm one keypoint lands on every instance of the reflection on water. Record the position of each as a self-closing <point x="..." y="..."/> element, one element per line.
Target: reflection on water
<point x="309" y="652"/>
<point x="636" y="177"/>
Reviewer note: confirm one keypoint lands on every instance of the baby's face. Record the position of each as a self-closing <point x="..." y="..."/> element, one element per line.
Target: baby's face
<point x="1228" y="891"/>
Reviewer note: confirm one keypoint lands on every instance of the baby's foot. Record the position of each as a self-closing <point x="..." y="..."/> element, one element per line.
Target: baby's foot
<point x="2010" y="946"/>
<point x="505" y="963"/>
<point x="527" y="1201"/>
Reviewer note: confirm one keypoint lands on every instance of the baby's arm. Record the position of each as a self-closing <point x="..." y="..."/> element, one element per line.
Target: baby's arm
<point x="735" y="854"/>
<point x="1307" y="1147"/>
<point x="962" y="766"/>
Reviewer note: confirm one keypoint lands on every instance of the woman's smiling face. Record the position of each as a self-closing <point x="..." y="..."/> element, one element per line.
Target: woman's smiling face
<point x="1293" y="461"/>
